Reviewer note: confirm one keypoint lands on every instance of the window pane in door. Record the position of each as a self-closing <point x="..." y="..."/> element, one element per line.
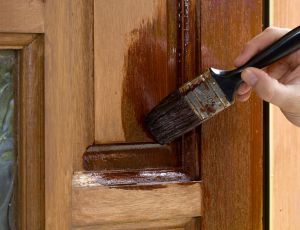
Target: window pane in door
<point x="7" y="153"/>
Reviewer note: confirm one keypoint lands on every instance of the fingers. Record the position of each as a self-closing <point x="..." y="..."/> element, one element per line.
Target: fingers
<point x="258" y="43"/>
<point x="291" y="77"/>
<point x="278" y="70"/>
<point x="243" y="89"/>
<point x="243" y="93"/>
<point x="269" y="89"/>
<point x="244" y="97"/>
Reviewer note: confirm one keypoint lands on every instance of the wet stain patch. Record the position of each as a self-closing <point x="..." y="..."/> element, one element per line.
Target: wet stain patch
<point x="146" y="81"/>
<point x="126" y="179"/>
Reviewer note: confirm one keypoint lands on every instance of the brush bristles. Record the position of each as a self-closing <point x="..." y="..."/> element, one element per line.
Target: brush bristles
<point x="171" y="118"/>
<point x="186" y="108"/>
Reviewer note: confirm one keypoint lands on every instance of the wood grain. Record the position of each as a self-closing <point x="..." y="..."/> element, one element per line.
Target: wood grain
<point x="15" y="41"/>
<point x="60" y="116"/>
<point x="30" y="109"/>
<point x="231" y="142"/>
<point x="97" y="205"/>
<point x="178" y="223"/>
<point x="26" y="16"/>
<point x="135" y="64"/>
<point x="83" y="75"/>
<point x="284" y="143"/>
<point x="187" y="59"/>
<point x="157" y="224"/>
<point x="68" y="122"/>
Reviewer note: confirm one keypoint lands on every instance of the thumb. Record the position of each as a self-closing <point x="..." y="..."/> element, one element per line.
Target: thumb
<point x="268" y="88"/>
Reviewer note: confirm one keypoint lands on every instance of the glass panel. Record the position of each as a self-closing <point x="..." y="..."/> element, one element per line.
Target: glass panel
<point x="7" y="153"/>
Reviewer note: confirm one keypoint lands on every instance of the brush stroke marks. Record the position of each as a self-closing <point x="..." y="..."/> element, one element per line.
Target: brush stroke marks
<point x="149" y="70"/>
<point x="131" y="156"/>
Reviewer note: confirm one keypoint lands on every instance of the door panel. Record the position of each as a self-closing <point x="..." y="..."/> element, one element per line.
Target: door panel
<point x="135" y="65"/>
<point x="106" y="64"/>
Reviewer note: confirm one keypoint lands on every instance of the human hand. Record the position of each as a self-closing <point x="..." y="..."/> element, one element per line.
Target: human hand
<point x="279" y="83"/>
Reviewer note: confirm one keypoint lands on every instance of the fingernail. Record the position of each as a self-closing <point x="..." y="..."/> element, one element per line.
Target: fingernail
<point x="249" y="77"/>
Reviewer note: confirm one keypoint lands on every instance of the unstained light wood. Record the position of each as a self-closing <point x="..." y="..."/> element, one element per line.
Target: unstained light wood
<point x="177" y="223"/>
<point x="284" y="143"/>
<point x="231" y="142"/>
<point x="68" y="107"/>
<point x="25" y="16"/>
<point x="97" y="205"/>
<point x="15" y="40"/>
<point x="83" y="76"/>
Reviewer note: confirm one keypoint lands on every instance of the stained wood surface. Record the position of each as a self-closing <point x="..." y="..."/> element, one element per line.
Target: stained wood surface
<point x="67" y="103"/>
<point x="231" y="142"/>
<point x="95" y="205"/>
<point x="136" y="47"/>
<point x="26" y="16"/>
<point x="135" y="65"/>
<point x="284" y="143"/>
<point x="131" y="156"/>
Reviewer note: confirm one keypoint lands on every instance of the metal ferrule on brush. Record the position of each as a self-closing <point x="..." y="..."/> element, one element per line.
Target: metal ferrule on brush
<point x="204" y="96"/>
<point x="186" y="108"/>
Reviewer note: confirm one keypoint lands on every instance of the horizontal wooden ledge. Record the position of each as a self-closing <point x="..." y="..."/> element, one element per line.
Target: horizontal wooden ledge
<point x="131" y="156"/>
<point x="101" y="204"/>
<point x="131" y="177"/>
<point x="15" y="40"/>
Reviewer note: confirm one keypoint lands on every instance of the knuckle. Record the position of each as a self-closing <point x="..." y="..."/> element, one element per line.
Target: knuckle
<point x="269" y="92"/>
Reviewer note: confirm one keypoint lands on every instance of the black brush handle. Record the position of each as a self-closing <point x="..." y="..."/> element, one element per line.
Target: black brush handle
<point x="229" y="81"/>
<point x="277" y="50"/>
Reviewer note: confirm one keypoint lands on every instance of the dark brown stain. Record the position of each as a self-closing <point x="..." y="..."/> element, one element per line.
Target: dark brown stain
<point x="147" y="78"/>
<point x="116" y="158"/>
<point x="210" y="108"/>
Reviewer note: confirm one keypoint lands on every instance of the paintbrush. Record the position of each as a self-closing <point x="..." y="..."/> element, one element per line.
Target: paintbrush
<point x="210" y="93"/>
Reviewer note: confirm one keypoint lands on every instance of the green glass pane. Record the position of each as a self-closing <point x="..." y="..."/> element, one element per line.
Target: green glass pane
<point x="7" y="154"/>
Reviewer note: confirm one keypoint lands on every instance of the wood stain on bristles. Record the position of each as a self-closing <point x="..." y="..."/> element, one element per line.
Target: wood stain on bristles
<point x="186" y="108"/>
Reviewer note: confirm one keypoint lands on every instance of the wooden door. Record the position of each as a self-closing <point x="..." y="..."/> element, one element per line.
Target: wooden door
<point x="106" y="64"/>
